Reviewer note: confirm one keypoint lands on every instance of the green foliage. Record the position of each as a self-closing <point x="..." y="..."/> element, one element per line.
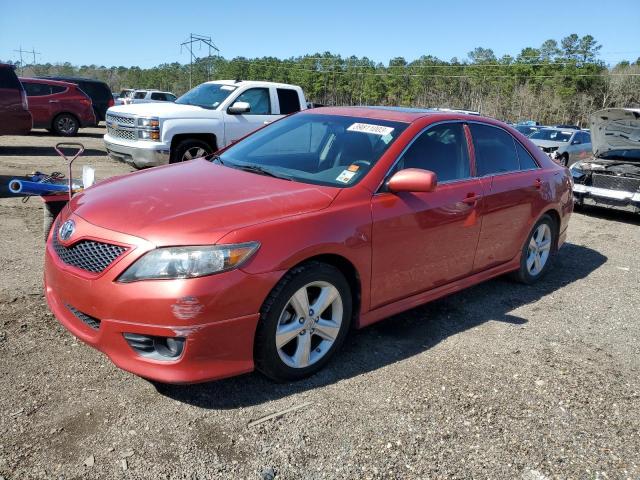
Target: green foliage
<point x="557" y="82"/>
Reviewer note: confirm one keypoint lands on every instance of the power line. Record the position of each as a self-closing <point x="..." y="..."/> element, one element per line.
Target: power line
<point x="200" y="40"/>
<point x="21" y="51"/>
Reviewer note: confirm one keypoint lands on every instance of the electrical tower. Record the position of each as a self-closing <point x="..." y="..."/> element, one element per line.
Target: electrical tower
<point x="200" y="40"/>
<point x="21" y="51"/>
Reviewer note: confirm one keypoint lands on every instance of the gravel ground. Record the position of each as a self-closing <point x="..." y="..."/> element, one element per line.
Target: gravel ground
<point x="500" y="381"/>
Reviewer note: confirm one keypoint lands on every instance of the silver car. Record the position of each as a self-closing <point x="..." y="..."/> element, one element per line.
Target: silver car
<point x="563" y="145"/>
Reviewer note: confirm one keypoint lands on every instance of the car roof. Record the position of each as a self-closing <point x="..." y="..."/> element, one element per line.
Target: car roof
<point x="240" y="83"/>
<point x="395" y="114"/>
<point x="72" y="79"/>
<point x="47" y="81"/>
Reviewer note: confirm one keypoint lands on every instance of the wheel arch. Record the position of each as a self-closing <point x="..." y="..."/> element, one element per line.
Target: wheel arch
<point x="208" y="138"/>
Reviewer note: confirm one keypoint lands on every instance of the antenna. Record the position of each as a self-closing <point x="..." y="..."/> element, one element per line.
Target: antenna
<point x="200" y="40"/>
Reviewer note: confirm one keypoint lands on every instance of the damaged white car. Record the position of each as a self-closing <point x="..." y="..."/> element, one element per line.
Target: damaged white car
<point x="612" y="176"/>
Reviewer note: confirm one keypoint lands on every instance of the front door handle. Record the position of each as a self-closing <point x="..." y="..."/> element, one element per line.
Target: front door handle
<point x="472" y="198"/>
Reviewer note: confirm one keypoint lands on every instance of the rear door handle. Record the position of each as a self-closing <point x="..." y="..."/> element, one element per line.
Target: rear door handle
<point x="472" y="198"/>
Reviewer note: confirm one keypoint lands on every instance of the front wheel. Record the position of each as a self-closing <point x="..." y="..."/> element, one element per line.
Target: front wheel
<point x="190" y="149"/>
<point x="538" y="251"/>
<point x="303" y="322"/>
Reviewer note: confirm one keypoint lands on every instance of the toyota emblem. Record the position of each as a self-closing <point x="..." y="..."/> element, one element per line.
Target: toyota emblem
<point x="66" y="230"/>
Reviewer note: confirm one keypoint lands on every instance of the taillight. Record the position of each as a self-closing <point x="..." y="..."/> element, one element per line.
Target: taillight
<point x="25" y="102"/>
<point x="111" y="102"/>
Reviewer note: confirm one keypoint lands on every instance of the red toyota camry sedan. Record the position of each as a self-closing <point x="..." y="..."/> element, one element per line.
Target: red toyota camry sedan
<point x="264" y="255"/>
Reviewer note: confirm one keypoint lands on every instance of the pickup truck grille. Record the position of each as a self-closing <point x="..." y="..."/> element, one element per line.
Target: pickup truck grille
<point x="125" y="134"/>
<point x="613" y="182"/>
<point x="123" y="121"/>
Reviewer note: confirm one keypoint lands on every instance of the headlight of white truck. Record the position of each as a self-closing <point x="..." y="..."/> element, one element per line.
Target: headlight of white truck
<point x="148" y="128"/>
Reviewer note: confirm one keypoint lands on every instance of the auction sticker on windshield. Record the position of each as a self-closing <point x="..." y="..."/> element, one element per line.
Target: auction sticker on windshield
<point x="369" y="128"/>
<point x="345" y="176"/>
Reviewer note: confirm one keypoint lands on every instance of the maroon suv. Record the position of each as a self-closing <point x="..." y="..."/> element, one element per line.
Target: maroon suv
<point x="60" y="107"/>
<point x="15" y="118"/>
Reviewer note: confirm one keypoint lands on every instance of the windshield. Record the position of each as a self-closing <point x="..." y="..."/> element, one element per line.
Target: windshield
<point x="206" y="95"/>
<point x="552" y="135"/>
<point x="319" y="149"/>
<point x="526" y="130"/>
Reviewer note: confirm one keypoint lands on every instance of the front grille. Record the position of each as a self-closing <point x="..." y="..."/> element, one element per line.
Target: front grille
<point x="87" y="254"/>
<point x="125" y="121"/>
<point x="614" y="182"/>
<point x="87" y="319"/>
<point x="125" y="134"/>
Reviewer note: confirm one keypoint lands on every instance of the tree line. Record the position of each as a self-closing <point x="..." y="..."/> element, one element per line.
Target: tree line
<point x="558" y="82"/>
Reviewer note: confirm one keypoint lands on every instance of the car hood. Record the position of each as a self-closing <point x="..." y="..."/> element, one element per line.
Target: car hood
<point x="547" y="143"/>
<point x="195" y="202"/>
<point x="164" y="110"/>
<point x="615" y="129"/>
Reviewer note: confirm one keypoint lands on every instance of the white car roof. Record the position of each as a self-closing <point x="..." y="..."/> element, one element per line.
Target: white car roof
<point x="255" y="83"/>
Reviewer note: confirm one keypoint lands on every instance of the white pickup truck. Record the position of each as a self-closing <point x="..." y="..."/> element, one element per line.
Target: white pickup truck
<point x="203" y="120"/>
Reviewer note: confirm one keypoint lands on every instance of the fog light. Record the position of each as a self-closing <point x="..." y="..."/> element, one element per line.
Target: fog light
<point x="157" y="348"/>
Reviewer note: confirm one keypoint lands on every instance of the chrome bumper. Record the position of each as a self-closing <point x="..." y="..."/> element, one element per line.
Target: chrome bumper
<point x="139" y="157"/>
<point x="606" y="196"/>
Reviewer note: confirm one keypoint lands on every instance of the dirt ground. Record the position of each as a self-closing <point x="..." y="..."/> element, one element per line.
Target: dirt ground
<point x="500" y="381"/>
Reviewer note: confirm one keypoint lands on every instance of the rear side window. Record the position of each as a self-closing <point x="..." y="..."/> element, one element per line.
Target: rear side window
<point x="57" y="89"/>
<point x="289" y="101"/>
<point x="140" y="95"/>
<point x="95" y="90"/>
<point x="441" y="149"/>
<point x="8" y="78"/>
<point x="526" y="160"/>
<point x="157" y="96"/>
<point x="495" y="150"/>
<point x="36" y="89"/>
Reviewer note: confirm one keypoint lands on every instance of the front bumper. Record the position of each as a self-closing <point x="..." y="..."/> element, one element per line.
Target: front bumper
<point x="139" y="156"/>
<point x="216" y="315"/>
<point x="584" y="194"/>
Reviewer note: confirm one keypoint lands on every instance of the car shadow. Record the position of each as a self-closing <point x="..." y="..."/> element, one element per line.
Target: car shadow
<point x="401" y="336"/>
<point x="606" y="213"/>
<point x="28" y="151"/>
<point x="81" y="133"/>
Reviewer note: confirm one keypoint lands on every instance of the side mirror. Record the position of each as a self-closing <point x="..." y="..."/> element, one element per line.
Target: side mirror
<point x="413" y="180"/>
<point x="238" y="108"/>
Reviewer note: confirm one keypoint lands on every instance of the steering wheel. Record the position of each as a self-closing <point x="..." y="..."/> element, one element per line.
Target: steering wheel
<point x="362" y="163"/>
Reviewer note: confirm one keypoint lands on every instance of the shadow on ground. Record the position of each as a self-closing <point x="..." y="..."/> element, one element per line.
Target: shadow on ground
<point x="401" y="336"/>
<point x="31" y="151"/>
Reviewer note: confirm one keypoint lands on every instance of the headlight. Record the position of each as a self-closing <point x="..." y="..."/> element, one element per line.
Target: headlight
<point x="148" y="134"/>
<point x="152" y="122"/>
<point x="189" y="262"/>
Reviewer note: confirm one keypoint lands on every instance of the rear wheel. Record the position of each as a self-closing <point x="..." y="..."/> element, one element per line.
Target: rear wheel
<point x="564" y="160"/>
<point x="303" y="322"/>
<point x="66" y="125"/>
<point x="190" y="149"/>
<point x="538" y="251"/>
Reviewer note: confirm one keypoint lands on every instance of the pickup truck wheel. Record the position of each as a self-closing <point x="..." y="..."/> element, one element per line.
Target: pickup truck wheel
<point x="190" y="149"/>
<point x="65" y="124"/>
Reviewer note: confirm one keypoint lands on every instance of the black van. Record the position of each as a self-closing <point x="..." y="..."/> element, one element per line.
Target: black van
<point x="98" y="91"/>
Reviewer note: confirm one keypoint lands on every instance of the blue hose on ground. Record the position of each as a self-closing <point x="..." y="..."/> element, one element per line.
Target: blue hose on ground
<point x="26" y="187"/>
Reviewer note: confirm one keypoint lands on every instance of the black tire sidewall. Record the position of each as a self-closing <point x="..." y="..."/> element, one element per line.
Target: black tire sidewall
<point x="63" y="134"/>
<point x="523" y="273"/>
<point x="266" y="355"/>
<point x="186" y="145"/>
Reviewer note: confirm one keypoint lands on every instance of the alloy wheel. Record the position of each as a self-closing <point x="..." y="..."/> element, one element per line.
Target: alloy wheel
<point x="309" y="324"/>
<point x="66" y="125"/>
<point x="194" y="152"/>
<point x="539" y="249"/>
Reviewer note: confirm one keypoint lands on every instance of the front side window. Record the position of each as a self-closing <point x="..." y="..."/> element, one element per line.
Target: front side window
<point x="331" y="150"/>
<point x="206" y="95"/>
<point x="441" y="149"/>
<point x="495" y="150"/>
<point x="258" y="99"/>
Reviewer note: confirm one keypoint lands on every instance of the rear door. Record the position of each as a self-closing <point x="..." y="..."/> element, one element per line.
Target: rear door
<point x="41" y="103"/>
<point x="512" y="196"/>
<point x="14" y="118"/>
<point x="263" y="111"/>
<point x="424" y="240"/>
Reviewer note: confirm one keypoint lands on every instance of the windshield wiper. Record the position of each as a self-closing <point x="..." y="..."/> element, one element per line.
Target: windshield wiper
<point x="216" y="158"/>
<point x="260" y="171"/>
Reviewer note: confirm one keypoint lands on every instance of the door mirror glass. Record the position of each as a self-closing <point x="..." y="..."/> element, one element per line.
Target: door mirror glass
<point x="239" y="107"/>
<point x="412" y="180"/>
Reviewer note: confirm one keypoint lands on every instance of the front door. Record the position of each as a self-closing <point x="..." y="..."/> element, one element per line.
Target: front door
<point x="424" y="240"/>
<point x="262" y="106"/>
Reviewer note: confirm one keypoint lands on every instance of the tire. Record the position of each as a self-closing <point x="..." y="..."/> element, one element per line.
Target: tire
<point x="311" y="341"/>
<point x="50" y="213"/>
<point x="190" y="148"/>
<point x="532" y="270"/>
<point x="65" y="125"/>
<point x="564" y="160"/>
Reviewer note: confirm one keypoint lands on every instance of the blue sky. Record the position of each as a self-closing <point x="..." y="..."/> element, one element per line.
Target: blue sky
<point x="147" y="34"/>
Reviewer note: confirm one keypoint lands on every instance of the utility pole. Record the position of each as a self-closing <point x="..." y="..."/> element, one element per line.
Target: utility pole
<point x="21" y="51"/>
<point x="199" y="40"/>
